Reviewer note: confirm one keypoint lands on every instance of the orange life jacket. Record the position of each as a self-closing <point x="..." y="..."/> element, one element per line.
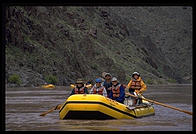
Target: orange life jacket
<point x="136" y="84"/>
<point x="79" y="91"/>
<point x="116" y="91"/>
<point x="98" y="90"/>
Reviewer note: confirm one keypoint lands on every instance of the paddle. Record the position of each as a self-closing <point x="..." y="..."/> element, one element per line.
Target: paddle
<point x="165" y="105"/>
<point x="51" y="110"/>
<point x="87" y="86"/>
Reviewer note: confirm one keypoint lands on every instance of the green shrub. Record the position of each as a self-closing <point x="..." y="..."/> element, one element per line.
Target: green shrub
<point x="14" y="78"/>
<point x="171" y="81"/>
<point x="51" y="79"/>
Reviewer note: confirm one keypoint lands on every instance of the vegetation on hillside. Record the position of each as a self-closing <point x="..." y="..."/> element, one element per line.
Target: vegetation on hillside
<point x="68" y="42"/>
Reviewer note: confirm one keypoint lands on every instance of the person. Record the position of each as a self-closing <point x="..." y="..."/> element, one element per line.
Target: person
<point x="79" y="88"/>
<point x="103" y="76"/>
<point x="136" y="86"/>
<point x="98" y="88"/>
<point x="107" y="83"/>
<point x="117" y="91"/>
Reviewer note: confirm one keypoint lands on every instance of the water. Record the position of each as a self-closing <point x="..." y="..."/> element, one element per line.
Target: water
<point x="24" y="105"/>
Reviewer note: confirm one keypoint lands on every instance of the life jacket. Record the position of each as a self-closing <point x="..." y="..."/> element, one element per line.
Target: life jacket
<point x="98" y="90"/>
<point x="116" y="91"/>
<point x="79" y="91"/>
<point x="136" y="84"/>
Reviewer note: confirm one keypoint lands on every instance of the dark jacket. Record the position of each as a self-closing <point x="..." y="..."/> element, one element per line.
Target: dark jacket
<point x="107" y="85"/>
<point x="121" y="98"/>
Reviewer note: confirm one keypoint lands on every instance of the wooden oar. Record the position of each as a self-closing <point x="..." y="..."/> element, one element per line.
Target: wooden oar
<point x="51" y="110"/>
<point x="165" y="105"/>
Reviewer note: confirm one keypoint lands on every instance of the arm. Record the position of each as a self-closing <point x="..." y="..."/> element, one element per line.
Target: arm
<point x="104" y="92"/>
<point x="143" y="88"/>
<point x="91" y="91"/>
<point x="72" y="92"/>
<point x="128" y="86"/>
<point x="110" y="95"/>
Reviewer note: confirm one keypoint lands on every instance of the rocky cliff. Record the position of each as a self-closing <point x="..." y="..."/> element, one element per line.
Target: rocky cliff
<point x="71" y="42"/>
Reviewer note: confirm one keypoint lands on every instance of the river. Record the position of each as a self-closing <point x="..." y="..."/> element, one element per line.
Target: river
<point x="25" y="104"/>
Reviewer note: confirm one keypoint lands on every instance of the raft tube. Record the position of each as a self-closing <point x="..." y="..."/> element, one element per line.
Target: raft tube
<point x="94" y="106"/>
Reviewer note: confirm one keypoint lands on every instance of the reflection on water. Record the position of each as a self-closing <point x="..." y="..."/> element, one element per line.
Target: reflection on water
<point x="24" y="105"/>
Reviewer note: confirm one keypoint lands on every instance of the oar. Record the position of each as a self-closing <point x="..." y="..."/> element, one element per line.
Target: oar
<point x="165" y="105"/>
<point x="51" y="110"/>
<point x="88" y="86"/>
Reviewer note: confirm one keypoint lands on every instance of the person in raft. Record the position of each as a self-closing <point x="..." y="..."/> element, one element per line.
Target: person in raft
<point x="117" y="91"/>
<point x="79" y="88"/>
<point x="136" y="86"/>
<point x="107" y="83"/>
<point x="98" y="88"/>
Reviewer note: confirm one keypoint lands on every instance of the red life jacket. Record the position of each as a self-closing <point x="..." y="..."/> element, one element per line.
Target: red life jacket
<point x="116" y="91"/>
<point x="79" y="91"/>
<point x="136" y="84"/>
<point x="98" y="90"/>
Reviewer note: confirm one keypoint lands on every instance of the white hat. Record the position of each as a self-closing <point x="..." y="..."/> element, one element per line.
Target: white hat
<point x="108" y="74"/>
<point x="135" y="73"/>
<point x="114" y="79"/>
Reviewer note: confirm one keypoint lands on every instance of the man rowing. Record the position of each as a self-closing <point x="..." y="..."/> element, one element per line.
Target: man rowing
<point x="136" y="86"/>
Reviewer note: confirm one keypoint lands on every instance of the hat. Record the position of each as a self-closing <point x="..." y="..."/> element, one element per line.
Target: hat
<point x="135" y="73"/>
<point x="79" y="81"/>
<point x="114" y="79"/>
<point x="98" y="80"/>
<point x="108" y="74"/>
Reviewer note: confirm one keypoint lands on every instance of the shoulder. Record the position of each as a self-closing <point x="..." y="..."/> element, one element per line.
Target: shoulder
<point x="140" y="79"/>
<point x="123" y="85"/>
<point x="130" y="81"/>
<point x="94" y="86"/>
<point x="103" y="88"/>
<point x="103" y="83"/>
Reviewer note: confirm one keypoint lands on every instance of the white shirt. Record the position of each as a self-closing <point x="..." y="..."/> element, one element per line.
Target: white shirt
<point x="97" y="88"/>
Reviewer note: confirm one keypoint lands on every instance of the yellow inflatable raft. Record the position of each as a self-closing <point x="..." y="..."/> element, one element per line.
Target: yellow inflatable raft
<point x="49" y="86"/>
<point x="94" y="106"/>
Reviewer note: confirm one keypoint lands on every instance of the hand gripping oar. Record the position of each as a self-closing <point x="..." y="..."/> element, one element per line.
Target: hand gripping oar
<point x="165" y="105"/>
<point x="51" y="110"/>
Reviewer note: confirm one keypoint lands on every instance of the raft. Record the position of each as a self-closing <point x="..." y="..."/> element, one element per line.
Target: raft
<point x="94" y="106"/>
<point x="49" y="86"/>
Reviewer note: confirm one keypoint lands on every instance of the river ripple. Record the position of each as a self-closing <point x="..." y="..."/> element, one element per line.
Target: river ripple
<point x="24" y="105"/>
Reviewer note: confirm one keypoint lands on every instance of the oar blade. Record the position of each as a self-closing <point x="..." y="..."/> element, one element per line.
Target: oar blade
<point x="49" y="111"/>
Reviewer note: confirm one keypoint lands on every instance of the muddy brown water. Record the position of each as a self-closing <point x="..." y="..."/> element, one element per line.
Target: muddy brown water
<point x="24" y="105"/>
